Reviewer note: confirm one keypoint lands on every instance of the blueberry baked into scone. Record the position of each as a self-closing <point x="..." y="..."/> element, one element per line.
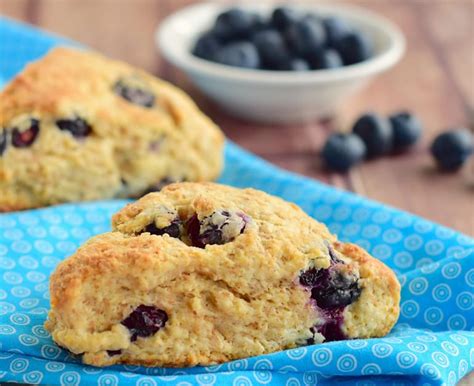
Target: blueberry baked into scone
<point x="202" y="273"/>
<point x="77" y="126"/>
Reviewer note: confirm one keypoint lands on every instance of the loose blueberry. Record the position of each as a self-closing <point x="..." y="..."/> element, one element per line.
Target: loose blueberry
<point x="343" y="151"/>
<point x="272" y="48"/>
<point x="451" y="149"/>
<point x="3" y="141"/>
<point x="321" y="60"/>
<point x="173" y="230"/>
<point x="78" y="127"/>
<point x="283" y="17"/>
<point x="239" y="54"/>
<point x="145" y="321"/>
<point x="234" y="24"/>
<point x="26" y="137"/>
<point x="133" y="94"/>
<point x="354" y="47"/>
<point x="207" y="46"/>
<point x="337" y="289"/>
<point x="376" y="132"/>
<point x="306" y="37"/>
<point x="112" y="353"/>
<point x="406" y="130"/>
<point x="336" y="28"/>
<point x="295" y="64"/>
<point x="219" y="228"/>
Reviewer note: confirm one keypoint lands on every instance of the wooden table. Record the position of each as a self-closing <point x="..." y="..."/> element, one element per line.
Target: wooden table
<point x="435" y="79"/>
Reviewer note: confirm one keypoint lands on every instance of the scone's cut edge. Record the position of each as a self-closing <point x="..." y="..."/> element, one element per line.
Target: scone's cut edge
<point x="233" y="289"/>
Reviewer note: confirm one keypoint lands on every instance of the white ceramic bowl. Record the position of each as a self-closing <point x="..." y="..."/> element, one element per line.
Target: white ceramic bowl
<point x="275" y="96"/>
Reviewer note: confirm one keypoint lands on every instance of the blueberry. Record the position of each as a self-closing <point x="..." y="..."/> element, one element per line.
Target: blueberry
<point x="283" y="17"/>
<point x="112" y="353"/>
<point x="220" y="227"/>
<point x="26" y="136"/>
<point x="306" y="37"/>
<point x="240" y="54"/>
<point x="354" y="47"/>
<point x="145" y="321"/>
<point x="173" y="230"/>
<point x="272" y="48"/>
<point x="234" y="24"/>
<point x="295" y="64"/>
<point x="207" y="46"/>
<point x="406" y="130"/>
<point x="134" y="94"/>
<point x="336" y="289"/>
<point x="376" y="132"/>
<point x="325" y="59"/>
<point x="332" y="328"/>
<point x="310" y="277"/>
<point x="78" y="127"/>
<point x="342" y="151"/>
<point x="3" y="141"/>
<point x="336" y="28"/>
<point x="451" y="149"/>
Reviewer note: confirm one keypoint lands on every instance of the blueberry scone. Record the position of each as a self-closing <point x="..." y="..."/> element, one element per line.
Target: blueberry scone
<point x="77" y="126"/>
<point x="201" y="273"/>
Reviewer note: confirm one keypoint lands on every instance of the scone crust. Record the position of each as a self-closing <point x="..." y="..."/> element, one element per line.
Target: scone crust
<point x="131" y="148"/>
<point x="247" y="288"/>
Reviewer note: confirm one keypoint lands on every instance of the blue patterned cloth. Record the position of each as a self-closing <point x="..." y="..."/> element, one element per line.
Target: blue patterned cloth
<point x="432" y="344"/>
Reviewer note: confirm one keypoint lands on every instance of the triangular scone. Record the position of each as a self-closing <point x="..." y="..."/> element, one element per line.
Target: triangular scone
<point x="77" y="126"/>
<point x="202" y="273"/>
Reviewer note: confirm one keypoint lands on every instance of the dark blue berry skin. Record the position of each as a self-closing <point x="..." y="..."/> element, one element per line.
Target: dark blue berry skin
<point x="451" y="149"/>
<point x="112" y="353"/>
<point x="335" y="290"/>
<point x="376" y="132"/>
<point x="272" y="48"/>
<point x="343" y="151"/>
<point x="173" y="230"/>
<point x="145" y="321"/>
<point x="239" y="54"/>
<point x="306" y="37"/>
<point x="207" y="46"/>
<point x="332" y="291"/>
<point x="336" y="28"/>
<point x="234" y="24"/>
<point x="326" y="59"/>
<point x="134" y="95"/>
<point x="354" y="47"/>
<point x="295" y="64"/>
<point x="283" y="17"/>
<point x="26" y="138"/>
<point x="78" y="127"/>
<point x="407" y="130"/>
<point x="3" y="141"/>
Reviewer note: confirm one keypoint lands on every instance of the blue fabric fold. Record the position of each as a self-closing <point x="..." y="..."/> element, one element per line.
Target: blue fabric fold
<point x="432" y="343"/>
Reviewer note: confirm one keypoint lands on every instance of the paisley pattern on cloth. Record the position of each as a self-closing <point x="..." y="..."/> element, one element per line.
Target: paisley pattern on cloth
<point x="432" y="344"/>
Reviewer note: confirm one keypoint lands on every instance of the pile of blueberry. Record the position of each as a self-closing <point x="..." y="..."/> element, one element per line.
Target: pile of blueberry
<point x="373" y="136"/>
<point x="286" y="41"/>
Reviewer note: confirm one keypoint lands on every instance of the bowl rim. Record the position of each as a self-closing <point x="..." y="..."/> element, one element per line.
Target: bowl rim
<point x="190" y="63"/>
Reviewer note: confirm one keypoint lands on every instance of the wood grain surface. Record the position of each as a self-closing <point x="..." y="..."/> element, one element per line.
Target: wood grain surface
<point x="435" y="79"/>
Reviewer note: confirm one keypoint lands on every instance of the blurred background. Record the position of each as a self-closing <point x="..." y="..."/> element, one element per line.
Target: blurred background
<point x="435" y="80"/>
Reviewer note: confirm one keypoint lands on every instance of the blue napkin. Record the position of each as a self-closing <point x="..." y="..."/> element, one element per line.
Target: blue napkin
<point x="432" y="343"/>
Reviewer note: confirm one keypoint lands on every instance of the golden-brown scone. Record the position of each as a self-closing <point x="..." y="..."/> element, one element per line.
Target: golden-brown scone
<point x="77" y="126"/>
<point x="202" y="273"/>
